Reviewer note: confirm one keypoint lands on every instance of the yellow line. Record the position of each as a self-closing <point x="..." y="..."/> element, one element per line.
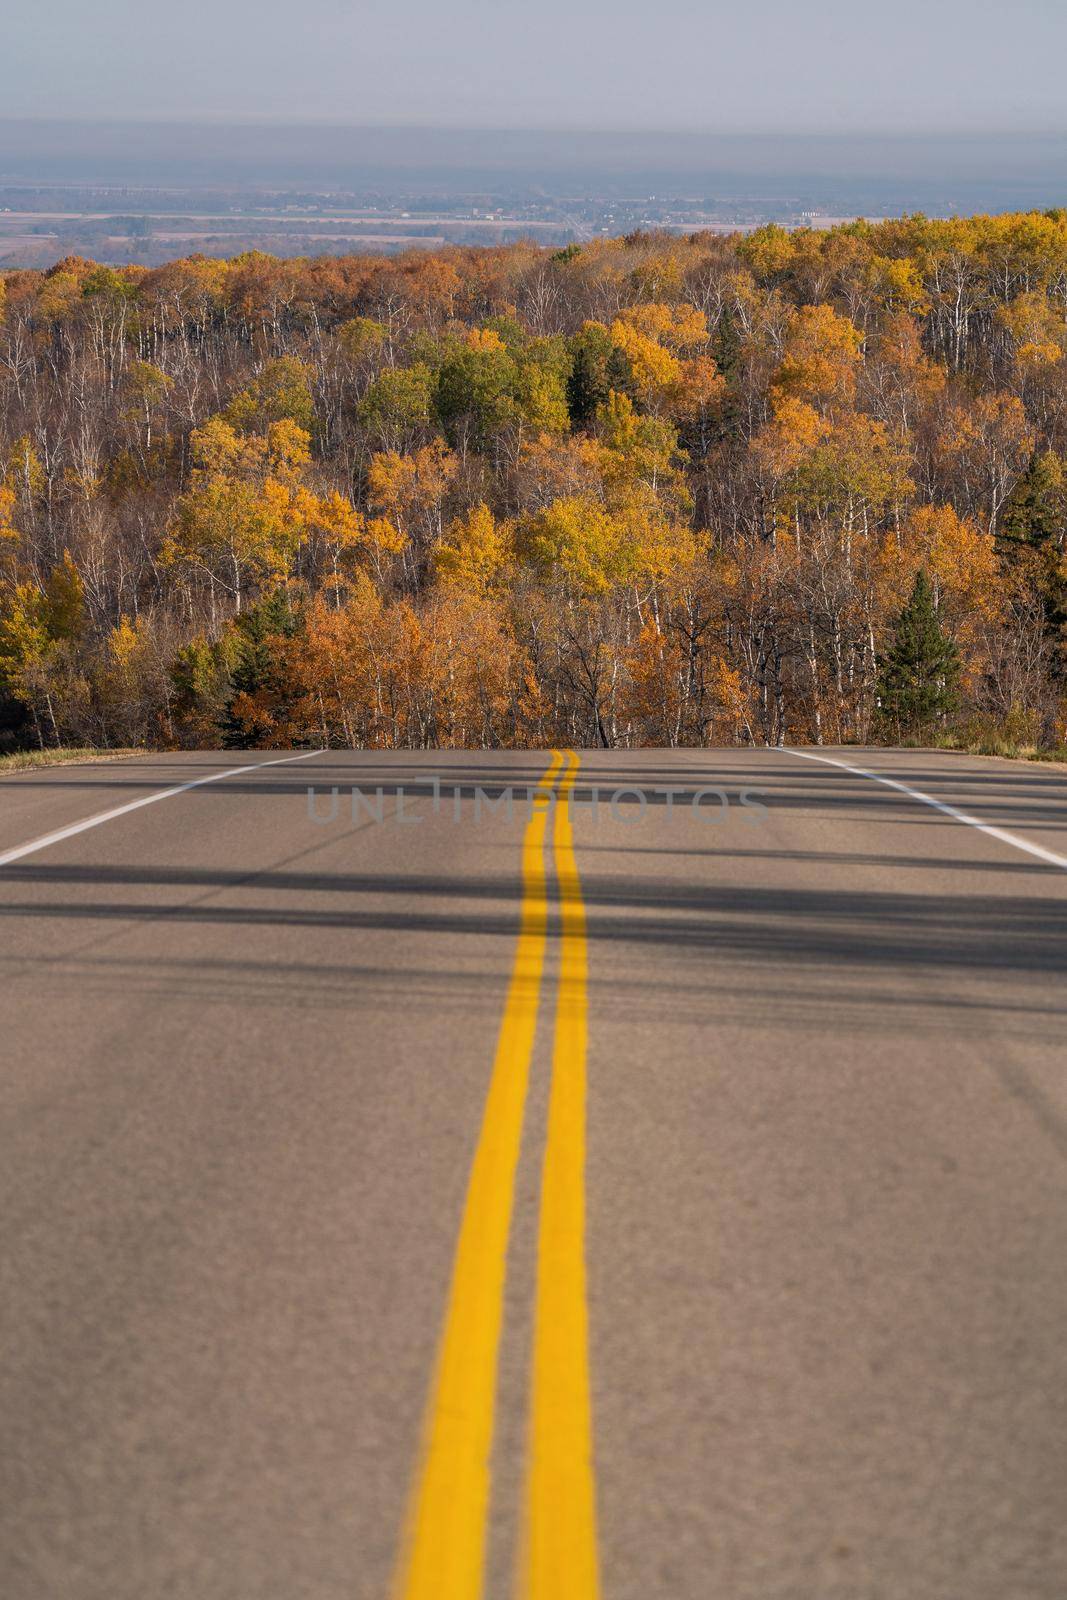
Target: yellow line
<point x="559" y="1560"/>
<point x="443" y="1556"/>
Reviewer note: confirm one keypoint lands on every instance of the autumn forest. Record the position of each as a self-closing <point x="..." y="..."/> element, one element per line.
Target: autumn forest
<point x="805" y="486"/>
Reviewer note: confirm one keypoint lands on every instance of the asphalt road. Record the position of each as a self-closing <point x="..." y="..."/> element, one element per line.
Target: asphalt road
<point x="765" y="1111"/>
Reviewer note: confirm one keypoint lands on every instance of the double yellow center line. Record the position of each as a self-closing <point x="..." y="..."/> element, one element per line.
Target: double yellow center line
<point x="443" y="1552"/>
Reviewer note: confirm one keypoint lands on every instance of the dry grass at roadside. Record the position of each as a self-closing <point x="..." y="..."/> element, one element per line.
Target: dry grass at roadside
<point x="23" y="760"/>
<point x="1007" y="749"/>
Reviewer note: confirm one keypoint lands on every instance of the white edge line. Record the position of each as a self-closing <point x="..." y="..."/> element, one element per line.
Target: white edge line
<point x="135" y="805"/>
<point x="1002" y="834"/>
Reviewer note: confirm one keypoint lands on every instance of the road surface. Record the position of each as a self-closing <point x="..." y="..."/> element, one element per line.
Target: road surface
<point x="660" y="1201"/>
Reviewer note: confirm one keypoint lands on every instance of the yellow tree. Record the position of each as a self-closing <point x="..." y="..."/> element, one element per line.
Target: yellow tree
<point x="241" y="522"/>
<point x="40" y="626"/>
<point x="474" y="553"/>
<point x="903" y="382"/>
<point x="820" y="360"/>
<point x="959" y="558"/>
<point x="981" y="451"/>
<point x="409" y="493"/>
<point x="9" y="534"/>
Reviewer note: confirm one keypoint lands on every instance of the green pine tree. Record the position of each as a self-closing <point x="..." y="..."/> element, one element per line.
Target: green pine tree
<point x="1033" y="536"/>
<point x="920" y="673"/>
<point x="1036" y="510"/>
<point x="255" y="667"/>
<point x="597" y="368"/>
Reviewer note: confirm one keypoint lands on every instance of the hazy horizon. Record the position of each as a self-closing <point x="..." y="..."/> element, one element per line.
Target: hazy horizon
<point x="1029" y="167"/>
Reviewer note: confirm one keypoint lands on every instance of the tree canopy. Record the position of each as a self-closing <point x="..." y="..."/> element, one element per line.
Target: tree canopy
<point x="654" y="490"/>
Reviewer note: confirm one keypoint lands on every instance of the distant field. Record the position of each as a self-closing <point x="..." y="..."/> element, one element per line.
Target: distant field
<point x="39" y="239"/>
<point x="43" y="222"/>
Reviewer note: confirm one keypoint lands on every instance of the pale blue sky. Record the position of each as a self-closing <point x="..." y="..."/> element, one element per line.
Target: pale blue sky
<point x="746" y="65"/>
